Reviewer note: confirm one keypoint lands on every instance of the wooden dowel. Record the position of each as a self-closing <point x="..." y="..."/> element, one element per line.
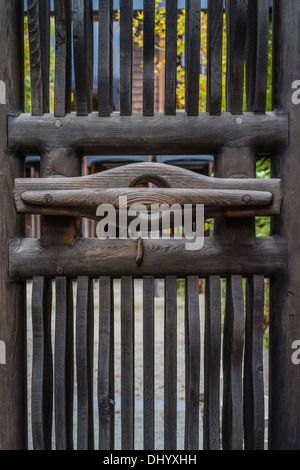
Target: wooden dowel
<point x="212" y="360"/>
<point x="106" y="394"/>
<point x="84" y="361"/>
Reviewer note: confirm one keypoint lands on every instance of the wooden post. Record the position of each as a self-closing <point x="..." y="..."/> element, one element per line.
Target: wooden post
<point x="284" y="420"/>
<point x="13" y="399"/>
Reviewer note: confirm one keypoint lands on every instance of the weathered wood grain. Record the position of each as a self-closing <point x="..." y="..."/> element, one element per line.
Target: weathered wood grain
<point x="236" y="21"/>
<point x="39" y="47"/>
<point x="63" y="59"/>
<point x="148" y="359"/>
<point x="212" y="361"/>
<point x="84" y="361"/>
<point x="170" y="364"/>
<point x="126" y="35"/>
<point x="106" y="394"/>
<point x="105" y="59"/>
<point x="83" y="54"/>
<point x="192" y="56"/>
<point x="28" y="258"/>
<point x="254" y="416"/>
<point x="146" y="135"/>
<point x="63" y="364"/>
<point x="233" y="342"/>
<point x="13" y="375"/>
<point x="192" y="363"/>
<point x="257" y="55"/>
<point x="171" y="57"/>
<point x="284" y="431"/>
<point x="89" y="200"/>
<point x="127" y="363"/>
<point x="219" y="195"/>
<point x="42" y="374"/>
<point x="214" y="56"/>
<point x="148" y="58"/>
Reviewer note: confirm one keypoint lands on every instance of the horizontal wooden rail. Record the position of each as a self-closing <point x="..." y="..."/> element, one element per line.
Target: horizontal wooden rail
<point x="147" y="135"/>
<point x="92" y="257"/>
<point x="84" y="203"/>
<point x="82" y="195"/>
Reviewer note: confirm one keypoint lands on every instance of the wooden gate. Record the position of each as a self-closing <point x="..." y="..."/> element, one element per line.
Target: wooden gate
<point x="233" y="198"/>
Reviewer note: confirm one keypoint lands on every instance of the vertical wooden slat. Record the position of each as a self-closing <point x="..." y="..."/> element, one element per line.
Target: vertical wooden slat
<point x="236" y="22"/>
<point x="257" y="55"/>
<point x="126" y="24"/>
<point x="148" y="58"/>
<point x="171" y="57"/>
<point x="148" y="333"/>
<point x="64" y="369"/>
<point x="63" y="59"/>
<point x="13" y="375"/>
<point x="192" y="56"/>
<point x="127" y="363"/>
<point x="170" y="364"/>
<point x="233" y="341"/>
<point x="39" y="46"/>
<point x="83" y="54"/>
<point x="106" y="364"/>
<point x="212" y="361"/>
<point x="253" y="373"/>
<point x="192" y="363"/>
<point x="284" y="384"/>
<point x="214" y="56"/>
<point x="105" y="61"/>
<point x="42" y="373"/>
<point x="84" y="360"/>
